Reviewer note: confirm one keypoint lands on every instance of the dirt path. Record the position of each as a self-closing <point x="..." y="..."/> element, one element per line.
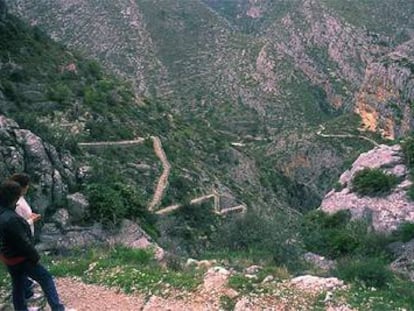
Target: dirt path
<point x="198" y="200"/>
<point x="239" y="208"/>
<point x="159" y="152"/>
<point x="322" y="128"/>
<point x="87" y="297"/>
<point x="163" y="180"/>
<point x="137" y="141"/>
<point x="162" y="183"/>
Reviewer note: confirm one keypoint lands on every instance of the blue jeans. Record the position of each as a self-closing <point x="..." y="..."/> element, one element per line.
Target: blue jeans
<point x="37" y="272"/>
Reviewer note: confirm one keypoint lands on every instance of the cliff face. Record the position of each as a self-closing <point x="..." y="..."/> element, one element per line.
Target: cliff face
<point x="386" y="98"/>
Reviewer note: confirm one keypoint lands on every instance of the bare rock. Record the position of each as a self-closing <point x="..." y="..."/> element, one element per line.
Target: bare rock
<point x="316" y="284"/>
<point x="21" y="150"/>
<point x="77" y="206"/>
<point x="253" y="269"/>
<point x="131" y="235"/>
<point x="61" y="217"/>
<point x="319" y="261"/>
<point x="386" y="213"/>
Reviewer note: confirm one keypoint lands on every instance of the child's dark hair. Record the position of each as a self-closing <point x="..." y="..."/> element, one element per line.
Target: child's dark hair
<point x="21" y="178"/>
<point x="9" y="193"/>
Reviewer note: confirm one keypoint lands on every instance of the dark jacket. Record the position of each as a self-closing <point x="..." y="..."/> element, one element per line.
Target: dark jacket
<point x="15" y="236"/>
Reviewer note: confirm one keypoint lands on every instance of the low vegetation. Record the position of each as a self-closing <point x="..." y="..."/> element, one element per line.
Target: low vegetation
<point x="362" y="259"/>
<point x="373" y="182"/>
<point x="408" y="150"/>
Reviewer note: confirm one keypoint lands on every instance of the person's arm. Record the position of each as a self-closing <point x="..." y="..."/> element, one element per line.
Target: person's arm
<point x="23" y="208"/>
<point x="19" y="236"/>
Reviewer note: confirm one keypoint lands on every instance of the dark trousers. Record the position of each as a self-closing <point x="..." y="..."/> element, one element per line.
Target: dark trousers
<point x="37" y="272"/>
<point x="28" y="292"/>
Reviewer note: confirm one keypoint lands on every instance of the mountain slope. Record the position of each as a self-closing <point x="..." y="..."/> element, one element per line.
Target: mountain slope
<point x="267" y="87"/>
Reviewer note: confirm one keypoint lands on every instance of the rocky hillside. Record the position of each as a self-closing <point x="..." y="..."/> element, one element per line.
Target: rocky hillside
<point x="93" y="148"/>
<point x="268" y="71"/>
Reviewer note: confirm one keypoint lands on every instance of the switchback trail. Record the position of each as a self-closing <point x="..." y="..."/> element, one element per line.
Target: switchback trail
<point x="322" y="128"/>
<point x="163" y="180"/>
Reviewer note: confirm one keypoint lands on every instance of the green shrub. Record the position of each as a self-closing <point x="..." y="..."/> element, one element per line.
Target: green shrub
<point x="410" y="192"/>
<point x="60" y="93"/>
<point x="405" y="232"/>
<point x="373" y="182"/>
<point x="112" y="202"/>
<point x="189" y="229"/>
<point x="264" y="237"/>
<point x="408" y="150"/>
<point x="338" y="186"/>
<point x="106" y="204"/>
<point x="227" y="303"/>
<point x="336" y="235"/>
<point x="371" y="272"/>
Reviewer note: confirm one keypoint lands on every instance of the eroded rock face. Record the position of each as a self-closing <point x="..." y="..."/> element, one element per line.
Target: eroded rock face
<point x="386" y="213"/>
<point x="23" y="151"/>
<point x="387" y="93"/>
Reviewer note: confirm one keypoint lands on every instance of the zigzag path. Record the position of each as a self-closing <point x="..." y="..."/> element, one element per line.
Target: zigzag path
<point x="162" y="183"/>
<point x="322" y="128"/>
<point x="163" y="180"/>
<point x="159" y="152"/>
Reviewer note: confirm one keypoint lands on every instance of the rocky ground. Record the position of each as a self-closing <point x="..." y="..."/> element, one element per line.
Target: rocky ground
<point x="213" y="294"/>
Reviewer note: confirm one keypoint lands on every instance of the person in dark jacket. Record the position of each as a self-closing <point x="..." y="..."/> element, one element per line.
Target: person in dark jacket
<point x="17" y="251"/>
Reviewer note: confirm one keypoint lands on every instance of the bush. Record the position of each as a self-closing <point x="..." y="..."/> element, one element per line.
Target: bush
<point x="106" y="204"/>
<point x="112" y="202"/>
<point x="370" y="271"/>
<point x="264" y="237"/>
<point x="188" y="230"/>
<point x="408" y="150"/>
<point x="373" y="182"/>
<point x="327" y="234"/>
<point x="405" y="232"/>
<point x="336" y="235"/>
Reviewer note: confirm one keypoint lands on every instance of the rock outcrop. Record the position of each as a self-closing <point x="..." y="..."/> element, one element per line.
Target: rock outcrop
<point x="51" y="172"/>
<point x="57" y="237"/>
<point x="386" y="213"/>
<point x="385" y="101"/>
